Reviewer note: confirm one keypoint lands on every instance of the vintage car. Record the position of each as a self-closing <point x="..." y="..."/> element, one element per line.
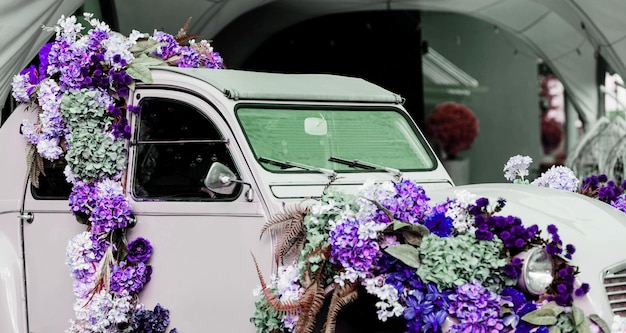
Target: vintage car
<point x="213" y="155"/>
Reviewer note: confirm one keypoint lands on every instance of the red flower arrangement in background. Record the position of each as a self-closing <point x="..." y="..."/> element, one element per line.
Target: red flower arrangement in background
<point x="453" y="127"/>
<point x="551" y="135"/>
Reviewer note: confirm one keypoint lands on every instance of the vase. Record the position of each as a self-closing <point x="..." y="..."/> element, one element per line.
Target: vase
<point x="459" y="170"/>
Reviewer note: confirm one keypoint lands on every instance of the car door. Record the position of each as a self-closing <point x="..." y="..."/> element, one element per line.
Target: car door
<point x="203" y="270"/>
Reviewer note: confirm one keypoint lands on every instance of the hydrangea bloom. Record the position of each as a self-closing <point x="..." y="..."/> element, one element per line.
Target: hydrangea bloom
<point x="517" y="166"/>
<point x="558" y="177"/>
<point x="477" y="309"/>
<point x="110" y="213"/>
<point x="130" y="279"/>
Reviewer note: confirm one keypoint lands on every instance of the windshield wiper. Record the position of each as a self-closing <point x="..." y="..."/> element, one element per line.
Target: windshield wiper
<point x="287" y="164"/>
<point x="365" y="165"/>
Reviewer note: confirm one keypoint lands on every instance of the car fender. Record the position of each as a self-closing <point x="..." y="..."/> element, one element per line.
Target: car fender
<point x="12" y="318"/>
<point x="596" y="229"/>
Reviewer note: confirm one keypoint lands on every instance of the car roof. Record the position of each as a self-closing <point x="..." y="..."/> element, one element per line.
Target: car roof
<point x="252" y="85"/>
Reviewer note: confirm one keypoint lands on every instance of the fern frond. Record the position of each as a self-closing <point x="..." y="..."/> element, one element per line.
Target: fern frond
<point x="291" y="238"/>
<point x="341" y="297"/>
<point x="314" y="303"/>
<point x="294" y="213"/>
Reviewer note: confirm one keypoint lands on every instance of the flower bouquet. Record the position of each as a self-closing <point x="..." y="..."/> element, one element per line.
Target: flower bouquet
<point x="452" y="266"/>
<point x="80" y="91"/>
<point x="453" y="128"/>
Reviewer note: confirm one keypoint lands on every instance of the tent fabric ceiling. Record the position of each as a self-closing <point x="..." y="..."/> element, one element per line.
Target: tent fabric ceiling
<point x="21" y="37"/>
<point x="567" y="34"/>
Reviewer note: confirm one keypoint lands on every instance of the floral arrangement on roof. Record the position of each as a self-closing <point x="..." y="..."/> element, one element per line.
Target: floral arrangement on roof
<point x="452" y="266"/>
<point x="80" y="92"/>
<point x="563" y="178"/>
<point x="453" y="128"/>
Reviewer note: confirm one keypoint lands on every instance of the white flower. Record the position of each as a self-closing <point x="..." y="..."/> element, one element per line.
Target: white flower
<point x="115" y="45"/>
<point x="69" y="175"/>
<point x="462" y="219"/>
<point x="67" y="28"/>
<point x="49" y="148"/>
<point x="135" y="35"/>
<point x="517" y="166"/>
<point x="109" y="188"/>
<point x="20" y="88"/>
<point x="558" y="177"/>
<point x="389" y="305"/>
<point x="49" y="95"/>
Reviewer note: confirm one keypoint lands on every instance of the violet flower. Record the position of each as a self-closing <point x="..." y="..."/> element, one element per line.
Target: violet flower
<point x="139" y="250"/>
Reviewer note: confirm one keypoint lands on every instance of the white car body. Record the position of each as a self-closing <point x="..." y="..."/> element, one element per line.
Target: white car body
<point x="203" y="268"/>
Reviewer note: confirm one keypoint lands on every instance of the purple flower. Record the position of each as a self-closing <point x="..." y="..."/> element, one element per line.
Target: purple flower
<point x="169" y="47"/>
<point x="130" y="280"/>
<point x="584" y="289"/>
<point x="83" y="197"/>
<point x="139" y="250"/>
<point x="111" y="212"/>
<point x="151" y="321"/>
<point x="477" y="309"/>
<point x="439" y="224"/>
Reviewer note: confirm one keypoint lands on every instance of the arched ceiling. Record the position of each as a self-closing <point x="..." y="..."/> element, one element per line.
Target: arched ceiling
<point x="567" y="34"/>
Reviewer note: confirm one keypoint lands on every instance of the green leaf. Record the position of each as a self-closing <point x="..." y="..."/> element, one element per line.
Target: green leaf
<point x="148" y="61"/>
<point x="540" y="317"/>
<point x="139" y="72"/>
<point x="408" y="254"/>
<point x="580" y="321"/>
<point x="600" y="322"/>
<point x="554" y="329"/>
<point x="145" y="46"/>
<point x="578" y="315"/>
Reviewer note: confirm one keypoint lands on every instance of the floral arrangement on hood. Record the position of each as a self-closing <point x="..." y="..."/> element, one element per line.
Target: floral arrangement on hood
<point x="453" y="128"/>
<point x="563" y="178"/>
<point x="451" y="266"/>
<point x="80" y="92"/>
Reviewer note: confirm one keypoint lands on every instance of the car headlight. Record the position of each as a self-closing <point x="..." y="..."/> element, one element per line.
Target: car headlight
<point x="536" y="271"/>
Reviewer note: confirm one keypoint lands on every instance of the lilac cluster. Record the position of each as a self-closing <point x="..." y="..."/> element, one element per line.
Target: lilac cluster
<point x="130" y="279"/>
<point x="193" y="56"/>
<point x="555" y="245"/>
<point x="508" y="228"/>
<point x="111" y="212"/>
<point x="477" y="309"/>
<point x="351" y="247"/>
<point x="168" y="45"/>
<point x="409" y="204"/>
<point x="151" y="321"/>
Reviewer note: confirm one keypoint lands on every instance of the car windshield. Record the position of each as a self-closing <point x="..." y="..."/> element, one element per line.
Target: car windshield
<point x="287" y="138"/>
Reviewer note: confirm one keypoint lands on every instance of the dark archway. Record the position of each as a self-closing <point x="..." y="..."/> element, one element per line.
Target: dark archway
<point x="382" y="47"/>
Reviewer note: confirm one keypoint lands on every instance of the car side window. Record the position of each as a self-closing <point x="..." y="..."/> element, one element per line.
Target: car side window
<point x="176" y="144"/>
<point x="52" y="184"/>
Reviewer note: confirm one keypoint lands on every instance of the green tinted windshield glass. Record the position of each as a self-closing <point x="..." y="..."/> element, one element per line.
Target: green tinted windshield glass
<point x="330" y="139"/>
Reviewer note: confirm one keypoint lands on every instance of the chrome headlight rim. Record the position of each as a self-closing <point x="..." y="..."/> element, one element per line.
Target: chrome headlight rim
<point x="532" y="285"/>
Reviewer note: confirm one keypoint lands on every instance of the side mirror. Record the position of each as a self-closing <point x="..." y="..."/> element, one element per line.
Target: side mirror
<point x="220" y="179"/>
